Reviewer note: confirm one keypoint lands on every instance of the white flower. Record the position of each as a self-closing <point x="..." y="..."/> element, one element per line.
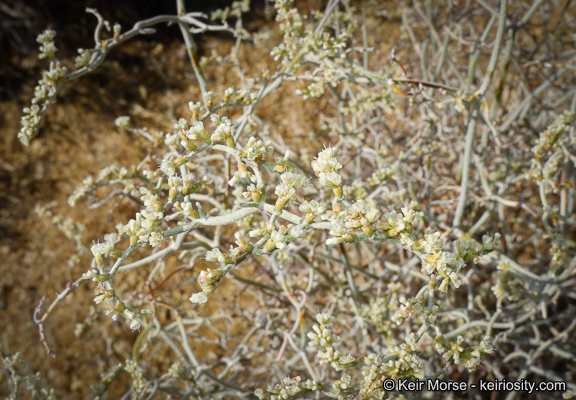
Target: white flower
<point x="155" y="239"/>
<point x="432" y="241"/>
<point x="293" y="180"/>
<point x="170" y="139"/>
<point x="194" y="107"/>
<point x="181" y="124"/>
<point x="215" y="255"/>
<point x="197" y="130"/>
<point x="324" y="318"/>
<point x="229" y="92"/>
<point x="331" y="179"/>
<point x="46" y="37"/>
<point x="187" y="208"/>
<point x="168" y="167"/>
<point x="174" y="181"/>
<point x="310" y="206"/>
<point x="135" y="325"/>
<point x="102" y="248"/>
<point x="199" y="298"/>
<point x="459" y="105"/>
<point x="279" y="240"/>
<point x="209" y="96"/>
<point x="100" y="298"/>
<point x="334" y="241"/>
<point x="297" y="231"/>
<point x="122" y="122"/>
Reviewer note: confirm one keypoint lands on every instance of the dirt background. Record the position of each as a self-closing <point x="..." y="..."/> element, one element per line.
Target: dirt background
<point x="149" y="79"/>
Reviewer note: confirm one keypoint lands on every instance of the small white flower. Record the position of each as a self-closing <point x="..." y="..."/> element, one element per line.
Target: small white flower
<point x="135" y="325"/>
<point x="100" y="298"/>
<point x="199" y="298"/>
<point x="215" y="255"/>
<point x="197" y="130"/>
<point x="331" y="179"/>
<point x="324" y="318"/>
<point x="155" y="239"/>
<point x="170" y="139"/>
<point x="168" y="167"/>
<point x="122" y="122"/>
<point x="102" y="248"/>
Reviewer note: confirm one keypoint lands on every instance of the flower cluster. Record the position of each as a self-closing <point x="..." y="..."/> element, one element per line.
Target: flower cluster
<point x="377" y="311"/>
<point x="146" y="227"/>
<point x="415" y="307"/>
<point x="224" y="130"/>
<point x="109" y="175"/>
<point x="506" y="284"/>
<point x="341" y="388"/>
<point x="84" y="58"/>
<point x="236" y="10"/>
<point x="311" y="209"/>
<point x="16" y="376"/>
<point x="254" y="150"/>
<point x="348" y="223"/>
<point x="281" y="237"/>
<point x="397" y="228"/>
<point x="48" y="48"/>
<point x="472" y="250"/>
<point x="444" y="266"/>
<point x="324" y="338"/>
<point x="291" y="22"/>
<point x="100" y="250"/>
<point x="289" y="388"/>
<point x="405" y="362"/>
<point x="372" y="373"/>
<point x="549" y="151"/>
<point x="46" y="90"/>
<point x="132" y="316"/>
<point x="470" y="357"/>
<point x="286" y="189"/>
<point x="325" y="167"/>
<point x="251" y="154"/>
<point x="114" y="307"/>
<point x="209" y="279"/>
<point x="137" y="375"/>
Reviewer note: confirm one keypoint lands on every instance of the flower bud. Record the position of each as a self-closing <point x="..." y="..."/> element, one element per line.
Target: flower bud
<point x="101" y="278"/>
<point x="338" y="192"/>
<point x="280" y="204"/>
<point x="242" y="171"/>
<point x="349" y="237"/>
<point x="368" y="231"/>
<point x="120" y="307"/>
<point x="269" y="246"/>
<point x="99" y="259"/>
<point x="256" y="196"/>
<point x="173" y="193"/>
<point x="116" y="253"/>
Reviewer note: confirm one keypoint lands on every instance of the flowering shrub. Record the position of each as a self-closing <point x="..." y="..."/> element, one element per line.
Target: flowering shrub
<point x="392" y="254"/>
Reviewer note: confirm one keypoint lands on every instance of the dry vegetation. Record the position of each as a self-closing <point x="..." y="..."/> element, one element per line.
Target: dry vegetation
<point x="151" y="80"/>
<point x="148" y="79"/>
